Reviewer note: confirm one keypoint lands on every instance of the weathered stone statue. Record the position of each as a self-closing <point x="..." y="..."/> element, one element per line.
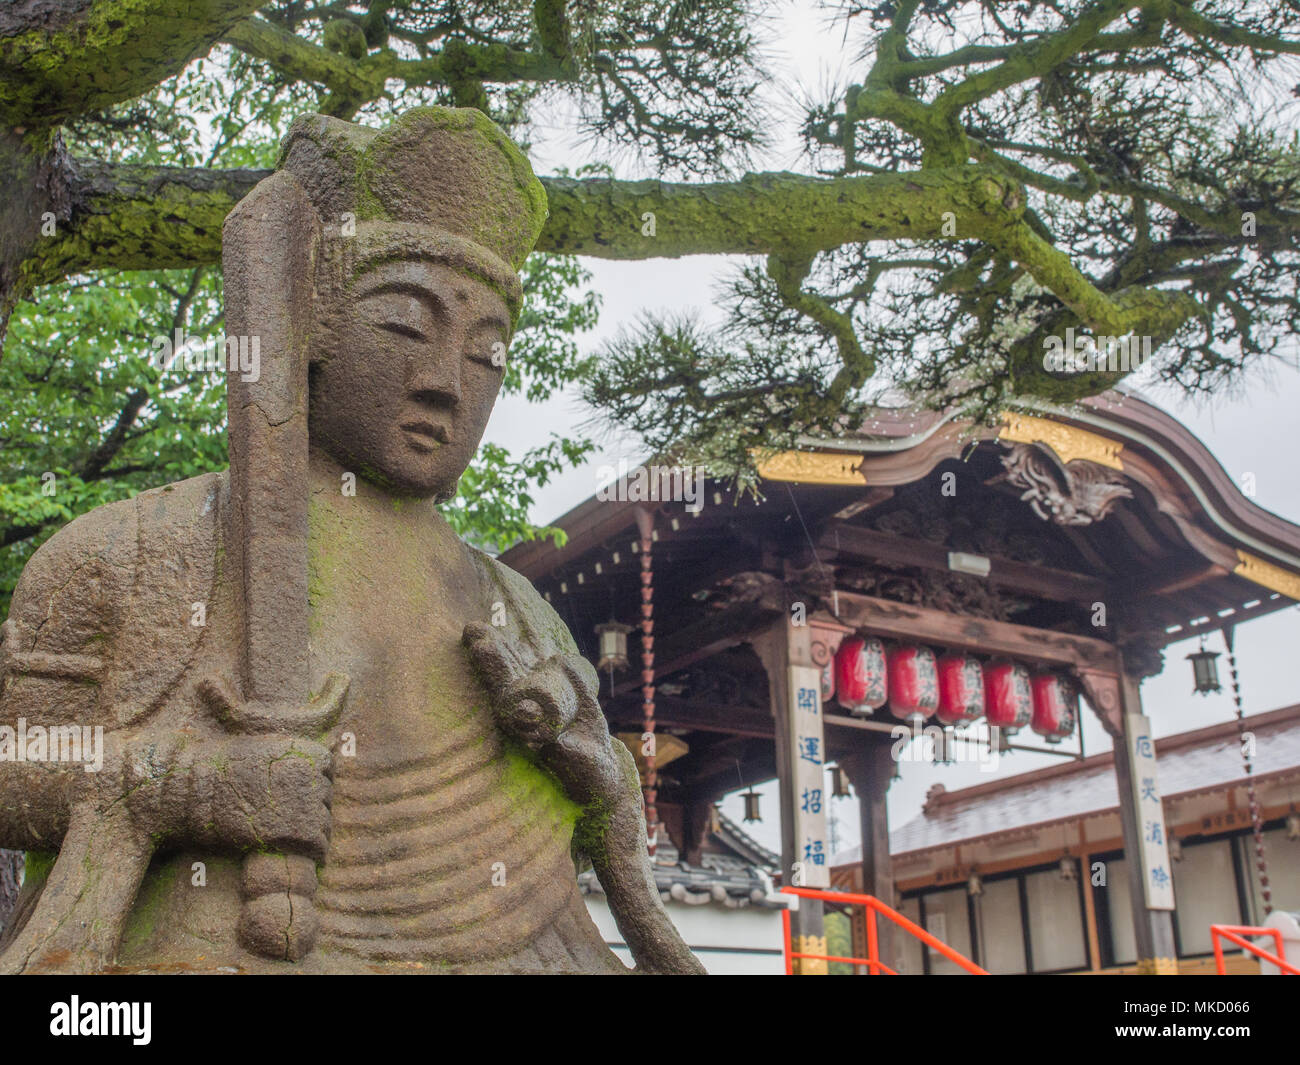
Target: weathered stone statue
<point x="334" y="737"/>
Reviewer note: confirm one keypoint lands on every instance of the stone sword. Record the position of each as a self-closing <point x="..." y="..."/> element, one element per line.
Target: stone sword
<point x="271" y="242"/>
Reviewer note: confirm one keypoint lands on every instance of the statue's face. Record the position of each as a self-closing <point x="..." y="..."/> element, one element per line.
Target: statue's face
<point x="401" y="392"/>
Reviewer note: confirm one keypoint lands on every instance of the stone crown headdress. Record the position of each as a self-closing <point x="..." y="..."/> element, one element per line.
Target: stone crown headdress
<point x="439" y="183"/>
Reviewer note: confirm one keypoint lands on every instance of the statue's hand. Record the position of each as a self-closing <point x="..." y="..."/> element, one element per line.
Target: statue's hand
<point x="281" y="799"/>
<point x="551" y="707"/>
<point x="255" y="787"/>
<point x="235" y="792"/>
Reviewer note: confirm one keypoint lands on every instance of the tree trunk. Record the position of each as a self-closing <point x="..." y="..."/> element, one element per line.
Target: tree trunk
<point x="35" y="173"/>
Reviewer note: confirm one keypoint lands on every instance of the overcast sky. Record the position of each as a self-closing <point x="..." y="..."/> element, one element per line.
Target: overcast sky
<point x="1250" y="431"/>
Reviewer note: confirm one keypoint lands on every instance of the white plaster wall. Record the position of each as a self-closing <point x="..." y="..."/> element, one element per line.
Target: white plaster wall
<point x="750" y="938"/>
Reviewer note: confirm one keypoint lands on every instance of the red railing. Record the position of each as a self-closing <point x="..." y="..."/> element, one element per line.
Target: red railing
<point x="1233" y="933"/>
<point x="871" y="906"/>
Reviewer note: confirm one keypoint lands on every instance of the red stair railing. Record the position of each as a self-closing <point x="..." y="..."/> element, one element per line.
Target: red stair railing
<point x="871" y="906"/>
<point x="1233" y="933"/>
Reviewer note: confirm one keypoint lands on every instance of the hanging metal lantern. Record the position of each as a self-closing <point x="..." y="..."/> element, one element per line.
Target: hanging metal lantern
<point x="974" y="886"/>
<point x="839" y="783"/>
<point x="860" y="675"/>
<point x="751" y="806"/>
<point x="961" y="689"/>
<point x="613" y="645"/>
<point x="1068" y="867"/>
<point x="1175" y="848"/>
<point x="913" y="682"/>
<point x="1008" y="697"/>
<point x="1293" y="826"/>
<point x="1205" y="671"/>
<point x="1056" y="706"/>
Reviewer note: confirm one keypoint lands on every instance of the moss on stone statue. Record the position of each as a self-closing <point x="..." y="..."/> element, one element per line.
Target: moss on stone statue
<point x="591" y="833"/>
<point x="161" y="896"/>
<point x="532" y="787"/>
<point x="325" y="541"/>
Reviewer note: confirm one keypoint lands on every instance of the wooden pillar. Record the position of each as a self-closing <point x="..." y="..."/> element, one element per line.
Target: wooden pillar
<point x="1153" y="924"/>
<point x="1117" y="701"/>
<point x="1089" y="908"/>
<point x="785" y="650"/>
<point x="870" y="770"/>
<point x="858" y="924"/>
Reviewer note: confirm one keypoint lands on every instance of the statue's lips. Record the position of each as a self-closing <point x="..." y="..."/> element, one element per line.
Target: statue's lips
<point x="425" y="436"/>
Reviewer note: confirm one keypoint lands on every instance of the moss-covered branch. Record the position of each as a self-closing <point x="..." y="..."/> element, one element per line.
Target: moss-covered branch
<point x="362" y="77"/>
<point x="761" y="214"/>
<point x="128" y="217"/>
<point x="303" y="61"/>
<point x="1033" y="59"/>
<point x="856" y="366"/>
<point x="553" y="29"/>
<point x="133" y="217"/>
<point x="58" y="61"/>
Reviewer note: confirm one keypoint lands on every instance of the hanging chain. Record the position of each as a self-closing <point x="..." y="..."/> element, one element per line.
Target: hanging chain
<point x="1256" y="823"/>
<point x="648" y="690"/>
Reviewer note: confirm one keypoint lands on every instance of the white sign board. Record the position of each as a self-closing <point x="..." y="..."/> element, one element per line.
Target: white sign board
<point x="808" y="758"/>
<point x="1157" y="873"/>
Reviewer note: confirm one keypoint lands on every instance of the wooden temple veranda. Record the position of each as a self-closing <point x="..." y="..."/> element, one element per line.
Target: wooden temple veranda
<point x="1080" y="542"/>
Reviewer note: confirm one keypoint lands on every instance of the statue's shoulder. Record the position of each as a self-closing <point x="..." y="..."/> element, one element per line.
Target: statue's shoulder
<point x="126" y="572"/>
<point x="102" y="547"/>
<point x="74" y="578"/>
<point x="535" y="618"/>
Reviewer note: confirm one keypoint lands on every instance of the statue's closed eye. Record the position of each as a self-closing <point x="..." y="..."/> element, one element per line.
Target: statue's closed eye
<point x="401" y="313"/>
<point x="403" y="329"/>
<point x="486" y="344"/>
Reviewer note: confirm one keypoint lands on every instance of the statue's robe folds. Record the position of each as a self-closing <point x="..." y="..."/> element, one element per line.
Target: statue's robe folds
<point x="450" y="848"/>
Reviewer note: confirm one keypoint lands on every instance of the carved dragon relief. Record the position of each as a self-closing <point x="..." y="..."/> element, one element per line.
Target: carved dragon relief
<point x="953" y="592"/>
<point x="981" y="525"/>
<point x="1078" y="492"/>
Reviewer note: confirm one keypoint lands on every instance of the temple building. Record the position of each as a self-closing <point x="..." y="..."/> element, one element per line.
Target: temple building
<point x="982" y="582"/>
<point x="1027" y="873"/>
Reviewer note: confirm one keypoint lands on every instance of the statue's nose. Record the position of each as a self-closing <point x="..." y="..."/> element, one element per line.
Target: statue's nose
<point x="434" y="374"/>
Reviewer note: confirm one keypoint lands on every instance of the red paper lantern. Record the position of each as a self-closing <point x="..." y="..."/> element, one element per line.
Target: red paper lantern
<point x="860" y="684"/>
<point x="961" y="689"/>
<point x="1008" y="698"/>
<point x="1056" y="706"/>
<point x="913" y="681"/>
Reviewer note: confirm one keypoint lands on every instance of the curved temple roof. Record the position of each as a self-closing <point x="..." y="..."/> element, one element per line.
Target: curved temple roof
<point x="1140" y="508"/>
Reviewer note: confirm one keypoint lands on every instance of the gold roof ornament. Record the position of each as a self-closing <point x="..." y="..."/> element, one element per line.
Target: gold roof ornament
<point x="1068" y="441"/>
<point x="813" y="467"/>
<point x="1267" y="575"/>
